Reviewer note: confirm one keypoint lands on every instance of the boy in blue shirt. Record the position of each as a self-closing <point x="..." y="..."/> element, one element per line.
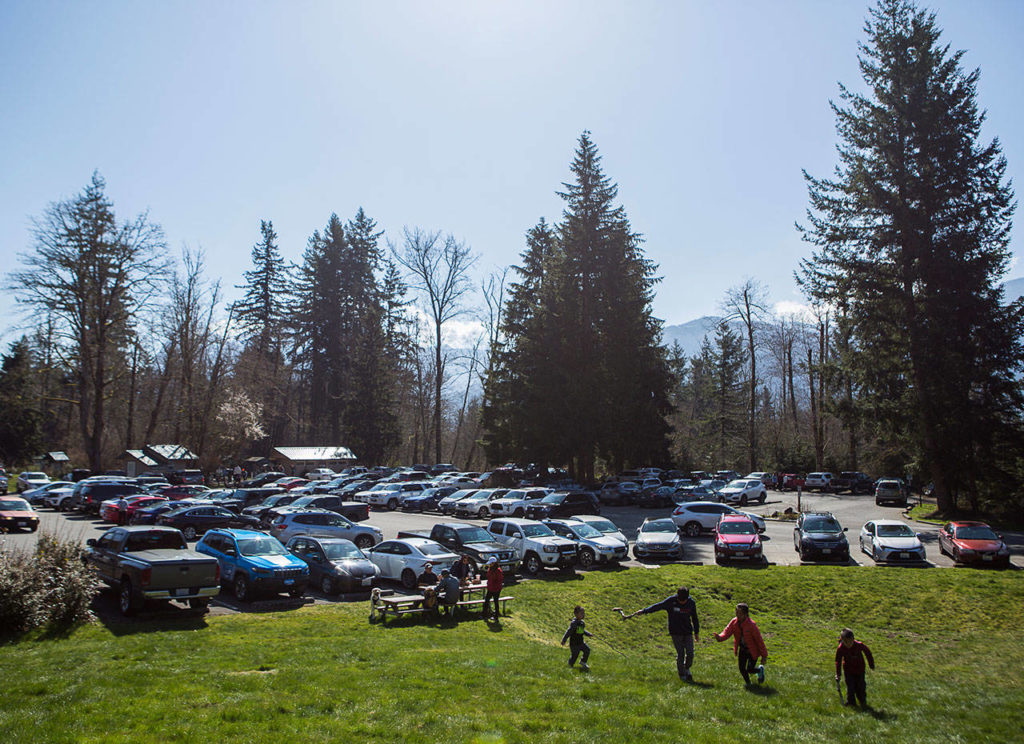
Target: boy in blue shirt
<point x="575" y="635"/>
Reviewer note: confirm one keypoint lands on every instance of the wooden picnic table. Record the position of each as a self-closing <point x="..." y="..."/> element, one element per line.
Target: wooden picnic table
<point x="407" y="604"/>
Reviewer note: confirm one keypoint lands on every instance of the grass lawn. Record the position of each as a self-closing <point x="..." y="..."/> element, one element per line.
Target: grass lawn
<point x="947" y="644"/>
<point x="926" y="513"/>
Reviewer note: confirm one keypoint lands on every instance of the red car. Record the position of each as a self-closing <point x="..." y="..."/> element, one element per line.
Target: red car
<point x="16" y="514"/>
<point x="289" y="483"/>
<point x="736" y="538"/>
<point x="973" y="542"/>
<point x="108" y="509"/>
<point x="791" y="481"/>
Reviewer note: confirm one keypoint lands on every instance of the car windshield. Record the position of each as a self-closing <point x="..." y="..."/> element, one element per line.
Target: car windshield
<point x="659" y="525"/>
<point x="475" y="535"/>
<point x="822" y="524"/>
<point x="889" y="484"/>
<point x="536" y="530"/>
<point x="299" y="503"/>
<point x="586" y="530"/>
<point x="976" y="532"/>
<point x="735" y="527"/>
<point x="603" y="525"/>
<point x="155" y="540"/>
<point x="737" y="484"/>
<point x="554" y="498"/>
<point x="35" y="476"/>
<point x="14" y="505"/>
<point x="341" y="551"/>
<point x="261" y="546"/>
<point x="433" y="549"/>
<point x="894" y="530"/>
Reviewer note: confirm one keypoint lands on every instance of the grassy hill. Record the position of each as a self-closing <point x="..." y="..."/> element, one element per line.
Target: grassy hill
<point x="947" y="644"/>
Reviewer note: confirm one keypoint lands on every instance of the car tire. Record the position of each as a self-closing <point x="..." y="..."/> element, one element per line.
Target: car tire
<point x="189" y="532"/>
<point x="128" y="602"/>
<point x="363" y="542"/>
<point x="392" y="504"/>
<point x="241" y="588"/>
<point x="764" y="497"/>
<point x="743" y="500"/>
<point x="692" y="529"/>
<point x="532" y="564"/>
<point x="484" y="513"/>
<point x="587" y="558"/>
<point x="409" y="578"/>
<point x="202" y="604"/>
<point x="328" y="585"/>
<point x="518" y="513"/>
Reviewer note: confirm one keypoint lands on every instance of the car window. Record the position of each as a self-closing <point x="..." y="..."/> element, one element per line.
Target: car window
<point x="976" y="532"/>
<point x="658" y="525"/>
<point x="154" y="540"/>
<point x="401" y="549"/>
<point x="260" y="546"/>
<point x="587" y="531"/>
<point x="822" y="524"/>
<point x="537" y="530"/>
<point x="894" y="530"/>
<point x="736" y="528"/>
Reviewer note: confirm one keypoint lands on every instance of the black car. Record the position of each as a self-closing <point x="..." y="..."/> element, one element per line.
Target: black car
<point x="195" y="520"/>
<point x="242" y="498"/>
<point x="427" y="499"/>
<point x="352" y="510"/>
<point x="818" y="535"/>
<point x="260" y="509"/>
<point x="149" y="514"/>
<point x="655" y="497"/>
<point x="854" y="482"/>
<point x="566" y="504"/>
<point x="88" y="495"/>
<point x="335" y="564"/>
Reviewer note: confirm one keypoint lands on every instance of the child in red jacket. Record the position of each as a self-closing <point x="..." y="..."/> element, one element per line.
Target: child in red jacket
<point x="747" y="643"/>
<point x="850" y="656"/>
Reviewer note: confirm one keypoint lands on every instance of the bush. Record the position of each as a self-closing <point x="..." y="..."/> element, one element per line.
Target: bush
<point x="50" y="587"/>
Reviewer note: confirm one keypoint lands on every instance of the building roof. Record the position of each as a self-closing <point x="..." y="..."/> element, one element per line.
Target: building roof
<point x="58" y="456"/>
<point x="169" y="452"/>
<point x="315" y="454"/>
<point x="141" y="457"/>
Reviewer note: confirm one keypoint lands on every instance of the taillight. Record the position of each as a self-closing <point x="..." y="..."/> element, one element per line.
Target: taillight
<point x="218" y="572"/>
<point x="145" y="576"/>
<point x="279" y="526"/>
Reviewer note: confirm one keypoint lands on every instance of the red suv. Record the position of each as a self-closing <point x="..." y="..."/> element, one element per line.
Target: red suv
<point x="736" y="538"/>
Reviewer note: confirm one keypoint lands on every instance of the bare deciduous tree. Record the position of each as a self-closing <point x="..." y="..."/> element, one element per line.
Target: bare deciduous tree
<point x="748" y="304"/>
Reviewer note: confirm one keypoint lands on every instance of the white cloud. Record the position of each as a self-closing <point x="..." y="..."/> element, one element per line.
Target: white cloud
<point x="796" y="310"/>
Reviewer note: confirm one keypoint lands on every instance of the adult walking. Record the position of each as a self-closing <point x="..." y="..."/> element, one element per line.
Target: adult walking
<point x="683" y="627"/>
<point x="495" y="581"/>
<point x="747" y="643"/>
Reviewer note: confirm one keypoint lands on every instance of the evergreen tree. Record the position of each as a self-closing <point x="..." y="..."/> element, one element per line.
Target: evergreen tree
<point x="911" y="238"/>
<point x="723" y="419"/>
<point x="19" y="417"/>
<point x="261" y="311"/>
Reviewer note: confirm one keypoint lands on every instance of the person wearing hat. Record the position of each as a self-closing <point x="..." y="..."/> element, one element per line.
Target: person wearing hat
<point x="428" y="577"/>
<point x="683" y="627"/>
<point x="495" y="581"/>
<point x="448" y="591"/>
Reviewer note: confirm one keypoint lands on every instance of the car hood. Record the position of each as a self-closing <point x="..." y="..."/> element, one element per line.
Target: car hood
<point x="488" y="547"/>
<point x="739" y="539"/>
<point x="982" y="546"/>
<point x="17" y="514"/>
<point x="899" y="543"/>
<point x="552" y="540"/>
<point x="274" y="561"/>
<point x="605" y="541"/>
<point x="358" y="567"/>
<point x="656" y="538"/>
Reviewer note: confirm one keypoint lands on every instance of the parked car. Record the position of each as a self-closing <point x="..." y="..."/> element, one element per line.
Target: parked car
<point x="447" y="504"/>
<point x="263" y="479"/>
<point x="323" y="523"/>
<point x="321" y="474"/>
<point x="152" y="563"/>
<point x="335" y="564"/>
<point x="695" y="493"/>
<point x="37" y="496"/>
<point x="722" y="475"/>
<point x="654" y="498"/>
<point x="658" y="539"/>
<point x="188" y="477"/>
<point x="891" y="541"/>
<point x="819" y="535"/>
<point x="766" y="478"/>
<point x="592" y="545"/>
<point x="973" y="543"/>
<point x="17" y="514"/>
<point x="536" y="545"/>
<point x="603" y="525"/>
<point x="515" y="502"/>
<point x="702" y="516"/>
<point x="351" y="510"/>
<point x="181" y="491"/>
<point x="618" y="493"/>
<point x="792" y="481"/>
<point x="427" y="499"/>
<point x="289" y="482"/>
<point x="149" y="514"/>
<point x="853" y="481"/>
<point x="744" y="491"/>
<point x="478" y="504"/>
<point x="59" y="498"/>
<point x="277" y="499"/>
<point x="110" y="511"/>
<point x="467" y="539"/>
<point x="890" y="491"/>
<point x="31" y="480"/>
<point x="403" y="560"/>
<point x="253" y="562"/>
<point x="391" y="495"/>
<point x="736" y="538"/>
<point x="819" y="481"/>
<point x="564" y="504"/>
<point x="195" y="520"/>
<point x="88" y="494"/>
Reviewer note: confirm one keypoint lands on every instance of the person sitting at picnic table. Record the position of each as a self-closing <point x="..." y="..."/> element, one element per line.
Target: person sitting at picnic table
<point x="428" y="577"/>
<point x="448" y="591"/>
<point x="464" y="571"/>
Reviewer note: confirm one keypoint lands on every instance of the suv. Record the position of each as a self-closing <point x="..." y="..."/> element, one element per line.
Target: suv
<point x="323" y="523"/>
<point x="535" y="543"/>
<point x="820" y="481"/>
<point x="566" y="504"/>
<point x="890" y="491"/>
<point x="592" y="545"/>
<point x="88" y="494"/>
<point x="515" y="502"/>
<point x="743" y="491"/>
<point x="854" y="482"/>
<point x="252" y="562"/>
<point x="702" y="516"/>
<point x="186" y="477"/>
<point x="820" y="534"/>
<point x="616" y="493"/>
<point x="389" y="495"/>
<point x="736" y="537"/>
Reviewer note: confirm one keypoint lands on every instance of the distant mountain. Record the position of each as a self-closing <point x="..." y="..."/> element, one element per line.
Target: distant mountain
<point x="1014" y="289"/>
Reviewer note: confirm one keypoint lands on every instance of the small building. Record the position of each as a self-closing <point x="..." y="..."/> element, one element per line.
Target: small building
<point x="300" y="460"/>
<point x="159" y="458"/>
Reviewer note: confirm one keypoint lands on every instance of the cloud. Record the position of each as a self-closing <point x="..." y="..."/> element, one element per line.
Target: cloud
<point x="796" y="310"/>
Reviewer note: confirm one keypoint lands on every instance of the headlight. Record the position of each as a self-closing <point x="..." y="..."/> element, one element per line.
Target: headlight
<point x="967" y="551"/>
<point x="720" y="543"/>
<point x="550" y="549"/>
<point x="261" y="571"/>
<point x="1003" y="550"/>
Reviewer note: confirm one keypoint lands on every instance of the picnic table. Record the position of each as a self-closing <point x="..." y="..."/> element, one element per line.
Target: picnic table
<point x="409" y="604"/>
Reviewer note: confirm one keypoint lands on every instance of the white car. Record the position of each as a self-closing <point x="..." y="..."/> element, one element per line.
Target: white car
<point x="479" y="504"/>
<point x="325" y="474"/>
<point x="59" y="498"/>
<point x="388" y="495"/>
<point x="447" y="504"/>
<point x="38" y="495"/>
<point x="592" y="546"/>
<point x="535" y="543"/>
<point x="403" y="560"/>
<point x="514" y="503"/>
<point x="702" y="516"/>
<point x="891" y="541"/>
<point x="820" y="481"/>
<point x="603" y="525"/>
<point x="744" y="491"/>
<point x="31" y="480"/>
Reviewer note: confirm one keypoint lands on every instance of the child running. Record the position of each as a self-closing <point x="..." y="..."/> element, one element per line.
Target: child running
<point x="850" y="656"/>
<point x="575" y="634"/>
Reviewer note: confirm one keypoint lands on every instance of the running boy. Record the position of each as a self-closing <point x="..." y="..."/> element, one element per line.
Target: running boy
<point x="575" y="634"/>
<point x="850" y="656"/>
<point x="747" y="643"/>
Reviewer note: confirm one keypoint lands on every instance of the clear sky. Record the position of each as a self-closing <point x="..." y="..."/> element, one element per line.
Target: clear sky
<point x="456" y="116"/>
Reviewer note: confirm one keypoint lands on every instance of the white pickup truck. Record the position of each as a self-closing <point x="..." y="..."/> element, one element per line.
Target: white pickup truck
<point x="535" y="543"/>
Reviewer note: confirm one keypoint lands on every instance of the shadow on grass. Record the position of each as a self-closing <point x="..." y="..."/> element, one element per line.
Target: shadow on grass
<point x="701" y="685"/>
<point x="878" y="715"/>
<point x="762" y="690"/>
<point x="561" y="576"/>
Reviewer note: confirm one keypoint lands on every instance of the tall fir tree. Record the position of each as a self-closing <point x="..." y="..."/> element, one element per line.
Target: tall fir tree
<point x="20" y="430"/>
<point x="261" y="311"/>
<point x="911" y="239"/>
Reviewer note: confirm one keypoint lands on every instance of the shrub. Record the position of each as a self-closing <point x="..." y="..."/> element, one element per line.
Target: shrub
<point x="48" y="587"/>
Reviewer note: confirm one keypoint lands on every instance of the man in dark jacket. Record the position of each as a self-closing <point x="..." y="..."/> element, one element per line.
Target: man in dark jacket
<point x="448" y="591"/>
<point x="683" y="627"/>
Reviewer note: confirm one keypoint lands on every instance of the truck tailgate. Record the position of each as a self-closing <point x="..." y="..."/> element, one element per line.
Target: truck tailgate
<point x="178" y="568"/>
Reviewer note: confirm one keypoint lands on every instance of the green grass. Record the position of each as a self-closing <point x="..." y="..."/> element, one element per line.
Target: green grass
<point x="925" y="513"/>
<point x="947" y="644"/>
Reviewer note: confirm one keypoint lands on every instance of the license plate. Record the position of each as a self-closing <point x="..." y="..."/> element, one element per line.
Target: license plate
<point x="180" y="592"/>
<point x="367" y="581"/>
<point x="289" y="582"/>
<point x="826" y="551"/>
<point x="22" y="523"/>
<point x="904" y="555"/>
<point x="986" y="557"/>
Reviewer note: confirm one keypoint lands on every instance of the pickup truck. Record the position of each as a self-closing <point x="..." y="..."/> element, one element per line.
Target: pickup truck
<point x="853" y="482"/>
<point x="467" y="539"/>
<point x="145" y="562"/>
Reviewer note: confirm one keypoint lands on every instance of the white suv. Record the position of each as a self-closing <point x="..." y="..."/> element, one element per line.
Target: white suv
<point x="821" y="481"/>
<point x="535" y="543"/>
<point x="389" y="495"/>
<point x="702" y="516"/>
<point x="743" y="491"/>
<point x="514" y="503"/>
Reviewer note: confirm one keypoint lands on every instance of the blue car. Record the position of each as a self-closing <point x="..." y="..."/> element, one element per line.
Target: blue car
<point x="253" y="563"/>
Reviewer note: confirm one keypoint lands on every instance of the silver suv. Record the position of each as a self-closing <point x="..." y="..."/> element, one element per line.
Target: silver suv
<point x="291" y="523"/>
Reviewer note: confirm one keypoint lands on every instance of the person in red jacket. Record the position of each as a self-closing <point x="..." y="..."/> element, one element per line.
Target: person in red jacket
<point x="850" y="656"/>
<point x="495" y="580"/>
<point x="747" y="643"/>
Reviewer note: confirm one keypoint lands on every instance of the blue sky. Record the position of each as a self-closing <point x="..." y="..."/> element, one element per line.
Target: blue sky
<point x="455" y="116"/>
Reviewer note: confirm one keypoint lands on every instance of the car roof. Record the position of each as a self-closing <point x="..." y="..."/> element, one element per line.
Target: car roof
<point x="889" y="522"/>
<point x="735" y="518"/>
<point x="969" y="523"/>
<point x="238" y="533"/>
<point x="517" y="520"/>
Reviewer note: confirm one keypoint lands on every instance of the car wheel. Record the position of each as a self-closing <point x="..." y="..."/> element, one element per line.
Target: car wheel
<point x="518" y="513"/>
<point x="692" y="529"/>
<point x="189" y="532"/>
<point x="764" y="497"/>
<point x="532" y="564"/>
<point x="743" y="500"/>
<point x="874" y="555"/>
<point x="484" y="513"/>
<point x="328" y="586"/>
<point x="409" y="578"/>
<point x="363" y="542"/>
<point x="587" y="558"/>
<point x="241" y="587"/>
<point x="392" y="504"/>
<point x="128" y="603"/>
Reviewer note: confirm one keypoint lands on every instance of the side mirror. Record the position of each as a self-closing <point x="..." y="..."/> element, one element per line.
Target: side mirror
<point x="230" y="551"/>
<point x="846" y="529"/>
<point x="91" y="542"/>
